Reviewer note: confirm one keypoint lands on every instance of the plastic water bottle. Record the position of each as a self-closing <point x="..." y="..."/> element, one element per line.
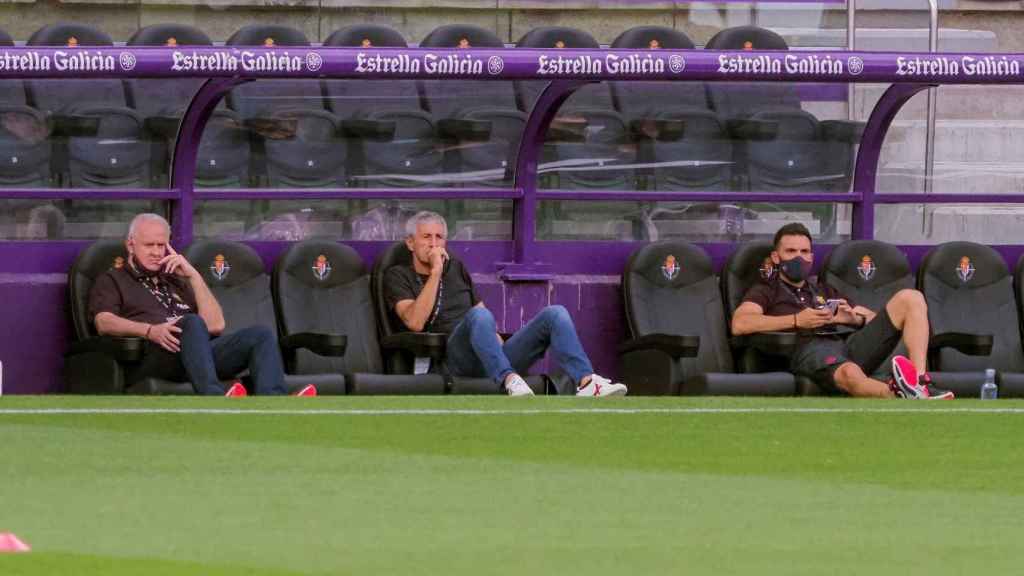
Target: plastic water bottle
<point x="989" y="390"/>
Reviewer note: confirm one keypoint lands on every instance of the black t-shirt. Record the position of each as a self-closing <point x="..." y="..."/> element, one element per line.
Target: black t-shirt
<point x="456" y="293"/>
<point x="132" y="296"/>
<point x="777" y="298"/>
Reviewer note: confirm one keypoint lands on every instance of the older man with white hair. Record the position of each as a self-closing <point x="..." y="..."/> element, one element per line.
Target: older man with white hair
<point x="158" y="295"/>
<point x="436" y="294"/>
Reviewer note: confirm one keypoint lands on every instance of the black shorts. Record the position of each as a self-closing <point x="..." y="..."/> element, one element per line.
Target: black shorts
<point x="817" y="357"/>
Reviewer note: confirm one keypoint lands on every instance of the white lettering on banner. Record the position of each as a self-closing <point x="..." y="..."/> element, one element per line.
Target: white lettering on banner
<point x="208" y="62"/>
<point x="24" y="62"/>
<point x="749" y="65"/>
<point x="990" y="66"/>
<point x="632" y="64"/>
<point x="813" y="65"/>
<point x="938" y="66"/>
<point x="400" y="64"/>
<point x="270" y="62"/>
<point x="451" y="64"/>
<point x="82" y="61"/>
<point x="581" y="65"/>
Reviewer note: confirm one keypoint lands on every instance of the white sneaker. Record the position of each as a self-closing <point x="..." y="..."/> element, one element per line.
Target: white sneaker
<point x="516" y="386"/>
<point x="601" y="386"/>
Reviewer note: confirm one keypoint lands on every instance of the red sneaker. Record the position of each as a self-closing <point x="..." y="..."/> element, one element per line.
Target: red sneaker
<point x="236" y="390"/>
<point x="308" y="390"/>
<point x="904" y="379"/>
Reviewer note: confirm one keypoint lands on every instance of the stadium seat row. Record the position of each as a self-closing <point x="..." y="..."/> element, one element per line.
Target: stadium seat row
<point x="333" y="133"/>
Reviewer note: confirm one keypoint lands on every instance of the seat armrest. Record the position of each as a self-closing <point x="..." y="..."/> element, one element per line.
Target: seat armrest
<point x="660" y="129"/>
<point x="753" y="130"/>
<point x="377" y="130"/>
<point x="420" y="344"/>
<point x="276" y="128"/>
<point x="970" y="344"/>
<point x="320" y="344"/>
<point x="129" y="349"/>
<point x="676" y="346"/>
<point x="773" y="343"/>
<point x="461" y="129"/>
<point x="163" y="126"/>
<point x="74" y="125"/>
<point x="842" y="130"/>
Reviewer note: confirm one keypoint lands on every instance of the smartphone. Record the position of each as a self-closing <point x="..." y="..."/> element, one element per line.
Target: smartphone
<point x="833" y="305"/>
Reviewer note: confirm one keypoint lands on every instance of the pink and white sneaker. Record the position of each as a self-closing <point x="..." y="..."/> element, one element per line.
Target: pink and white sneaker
<point x="307" y="390"/>
<point x="236" y="391"/>
<point x="601" y="386"/>
<point x="906" y="383"/>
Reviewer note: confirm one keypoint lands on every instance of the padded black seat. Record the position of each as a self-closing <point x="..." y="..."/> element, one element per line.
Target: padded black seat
<point x="677" y="321"/>
<point x="24" y="135"/>
<point x="779" y="146"/>
<point x="673" y="121"/>
<point x="238" y="279"/>
<point x="96" y="364"/>
<point x="321" y="286"/>
<point x="595" y="134"/>
<point x="969" y="289"/>
<point x="401" y="347"/>
<point x="223" y="159"/>
<point x="478" y="117"/>
<point x="392" y="139"/>
<point x="299" y="142"/>
<point x="754" y="353"/>
<point x="101" y="140"/>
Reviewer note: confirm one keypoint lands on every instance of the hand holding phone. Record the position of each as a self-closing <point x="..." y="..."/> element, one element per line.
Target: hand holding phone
<point x="833" y="305"/>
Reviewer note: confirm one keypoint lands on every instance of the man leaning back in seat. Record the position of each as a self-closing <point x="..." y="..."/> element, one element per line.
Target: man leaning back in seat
<point x="158" y="295"/>
<point x="436" y="294"/>
<point x="793" y="301"/>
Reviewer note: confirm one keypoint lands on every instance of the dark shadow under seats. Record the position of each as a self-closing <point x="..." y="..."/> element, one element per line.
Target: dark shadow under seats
<point x="321" y="286"/>
<point x="24" y="135"/>
<point x="672" y="122"/>
<point x="756" y="353"/>
<point x="587" y="132"/>
<point x="778" y="145"/>
<point x="238" y="279"/>
<point x="100" y="140"/>
<point x="870" y="273"/>
<point x="298" y="142"/>
<point x="677" y="324"/>
<point x="96" y="364"/>
<point x="477" y="119"/>
<point x="392" y="140"/>
<point x="401" y="347"/>
<point x="223" y="159"/>
<point x="969" y="290"/>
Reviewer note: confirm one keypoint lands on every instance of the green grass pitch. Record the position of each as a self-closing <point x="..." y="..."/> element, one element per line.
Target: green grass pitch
<point x="511" y="486"/>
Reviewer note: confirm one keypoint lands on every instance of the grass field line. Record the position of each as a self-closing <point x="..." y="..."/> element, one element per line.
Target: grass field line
<point x="495" y="412"/>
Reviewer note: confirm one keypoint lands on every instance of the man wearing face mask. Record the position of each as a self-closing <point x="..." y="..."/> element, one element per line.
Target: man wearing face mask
<point x="159" y="296"/>
<point x="793" y="301"/>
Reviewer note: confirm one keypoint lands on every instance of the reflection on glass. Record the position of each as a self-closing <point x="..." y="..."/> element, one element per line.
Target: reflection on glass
<point x="690" y="221"/>
<point x="70" y="219"/>
<point x="293" y="220"/>
<point x="919" y="224"/>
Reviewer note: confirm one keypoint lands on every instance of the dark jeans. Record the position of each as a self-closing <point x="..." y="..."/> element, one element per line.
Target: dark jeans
<point x="473" y="348"/>
<point x="204" y="361"/>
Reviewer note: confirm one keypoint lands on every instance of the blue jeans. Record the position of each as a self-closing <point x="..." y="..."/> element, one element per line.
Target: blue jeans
<point x="204" y="362"/>
<point x="474" y="350"/>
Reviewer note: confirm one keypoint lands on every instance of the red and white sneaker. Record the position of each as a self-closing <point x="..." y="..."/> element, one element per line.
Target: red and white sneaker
<point x="307" y="390"/>
<point x="933" y="392"/>
<point x="601" y="386"/>
<point x="904" y="379"/>
<point x="236" y="391"/>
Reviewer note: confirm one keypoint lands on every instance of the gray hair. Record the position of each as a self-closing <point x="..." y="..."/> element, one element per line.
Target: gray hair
<point x="146" y="217"/>
<point x="424" y="217"/>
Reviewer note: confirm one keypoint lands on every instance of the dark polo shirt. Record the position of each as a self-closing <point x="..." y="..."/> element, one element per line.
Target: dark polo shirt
<point x="777" y="298"/>
<point x="456" y="291"/>
<point x="121" y="292"/>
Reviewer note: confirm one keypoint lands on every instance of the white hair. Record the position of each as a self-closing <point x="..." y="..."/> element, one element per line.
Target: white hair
<point x="147" y="217"/>
<point x="424" y="217"/>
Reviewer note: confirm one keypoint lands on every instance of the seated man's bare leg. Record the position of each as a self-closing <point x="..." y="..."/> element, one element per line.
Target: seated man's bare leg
<point x="909" y="314"/>
<point x="852" y="380"/>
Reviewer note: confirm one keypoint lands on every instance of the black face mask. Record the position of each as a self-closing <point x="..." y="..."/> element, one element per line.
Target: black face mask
<point x="796" y="269"/>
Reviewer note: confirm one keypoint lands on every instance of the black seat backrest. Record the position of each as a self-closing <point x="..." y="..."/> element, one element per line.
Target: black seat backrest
<point x="90" y="263"/>
<point x="165" y="96"/>
<point x="670" y="288"/>
<point x="648" y="99"/>
<point x="968" y="288"/>
<point x="590" y="96"/>
<point x="238" y="279"/>
<point x="352" y="97"/>
<point x="58" y="95"/>
<point x="869" y="272"/>
<point x="749" y="264"/>
<point x="739" y="100"/>
<point x="448" y="99"/>
<point x="396" y="255"/>
<point x="260" y="98"/>
<point x="321" y="286"/>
